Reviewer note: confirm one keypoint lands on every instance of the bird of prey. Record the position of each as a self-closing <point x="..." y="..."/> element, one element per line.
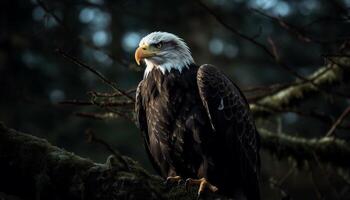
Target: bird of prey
<point x="195" y="121"/>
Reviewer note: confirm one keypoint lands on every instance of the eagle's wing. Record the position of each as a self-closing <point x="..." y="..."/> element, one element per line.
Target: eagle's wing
<point x="141" y="122"/>
<point x="229" y="114"/>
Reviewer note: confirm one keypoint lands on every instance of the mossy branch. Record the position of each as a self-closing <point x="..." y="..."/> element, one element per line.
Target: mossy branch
<point x="32" y="168"/>
<point x="327" y="150"/>
<point x="321" y="81"/>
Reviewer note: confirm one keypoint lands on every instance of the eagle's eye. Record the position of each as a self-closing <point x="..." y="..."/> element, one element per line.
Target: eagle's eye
<point x="159" y="45"/>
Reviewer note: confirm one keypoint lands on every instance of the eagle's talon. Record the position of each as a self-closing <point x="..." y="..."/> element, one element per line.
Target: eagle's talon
<point x="173" y="179"/>
<point x="188" y="182"/>
<point x="203" y="185"/>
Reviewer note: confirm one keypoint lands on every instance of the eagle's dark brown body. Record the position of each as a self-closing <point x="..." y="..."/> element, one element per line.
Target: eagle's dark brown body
<point x="197" y="124"/>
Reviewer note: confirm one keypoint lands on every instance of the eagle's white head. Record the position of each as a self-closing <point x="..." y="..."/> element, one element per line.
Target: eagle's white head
<point x="164" y="51"/>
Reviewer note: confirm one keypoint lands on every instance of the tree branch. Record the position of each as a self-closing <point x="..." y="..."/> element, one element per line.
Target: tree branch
<point x="295" y="93"/>
<point x="94" y="71"/>
<point x="345" y="113"/>
<point x="328" y="150"/>
<point x="31" y="168"/>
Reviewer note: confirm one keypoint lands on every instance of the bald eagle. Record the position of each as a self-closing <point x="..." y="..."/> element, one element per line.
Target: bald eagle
<point x="195" y="121"/>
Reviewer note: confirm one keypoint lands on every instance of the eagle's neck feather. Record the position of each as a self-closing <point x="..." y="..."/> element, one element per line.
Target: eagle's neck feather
<point x="177" y="64"/>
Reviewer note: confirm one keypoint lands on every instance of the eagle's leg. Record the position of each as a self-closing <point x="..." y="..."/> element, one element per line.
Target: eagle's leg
<point x="203" y="185"/>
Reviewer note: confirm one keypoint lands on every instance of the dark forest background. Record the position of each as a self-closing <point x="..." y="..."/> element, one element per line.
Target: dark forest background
<point x="35" y="77"/>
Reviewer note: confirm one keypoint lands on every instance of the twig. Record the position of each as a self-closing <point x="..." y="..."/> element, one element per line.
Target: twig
<point x="290" y="28"/>
<point x="323" y="19"/>
<point x="252" y="40"/>
<point x="90" y="115"/>
<point x="233" y="30"/>
<point x="299" y="33"/>
<point x="287" y="175"/>
<point x="81" y="39"/>
<point x="109" y="114"/>
<point x="89" y="103"/>
<point x="340" y="119"/>
<point x="91" y="138"/>
<point x="285" y="195"/>
<point x="120" y="113"/>
<point x="97" y="73"/>
<point x="108" y="94"/>
<point x="48" y="11"/>
<point x="274" y="48"/>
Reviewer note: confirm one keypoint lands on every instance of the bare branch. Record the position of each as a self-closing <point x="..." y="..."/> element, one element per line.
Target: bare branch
<point x="345" y="113"/>
<point x="274" y="48"/>
<point x="252" y="40"/>
<point x="94" y="71"/>
<point x="102" y="104"/>
<point x="299" y="33"/>
<point x="290" y="28"/>
<point x="121" y="62"/>
<point x="278" y="184"/>
<point x="48" y="11"/>
<point x="233" y="30"/>
<point x="93" y="115"/>
<point x="107" y="94"/>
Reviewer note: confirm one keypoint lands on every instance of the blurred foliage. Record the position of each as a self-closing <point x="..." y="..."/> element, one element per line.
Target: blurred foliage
<point x="34" y="78"/>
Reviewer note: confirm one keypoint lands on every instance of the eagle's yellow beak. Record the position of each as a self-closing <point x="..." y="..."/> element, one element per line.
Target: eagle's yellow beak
<point x="144" y="51"/>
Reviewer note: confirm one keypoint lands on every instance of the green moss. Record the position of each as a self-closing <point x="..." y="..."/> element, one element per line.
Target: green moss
<point x="322" y="78"/>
